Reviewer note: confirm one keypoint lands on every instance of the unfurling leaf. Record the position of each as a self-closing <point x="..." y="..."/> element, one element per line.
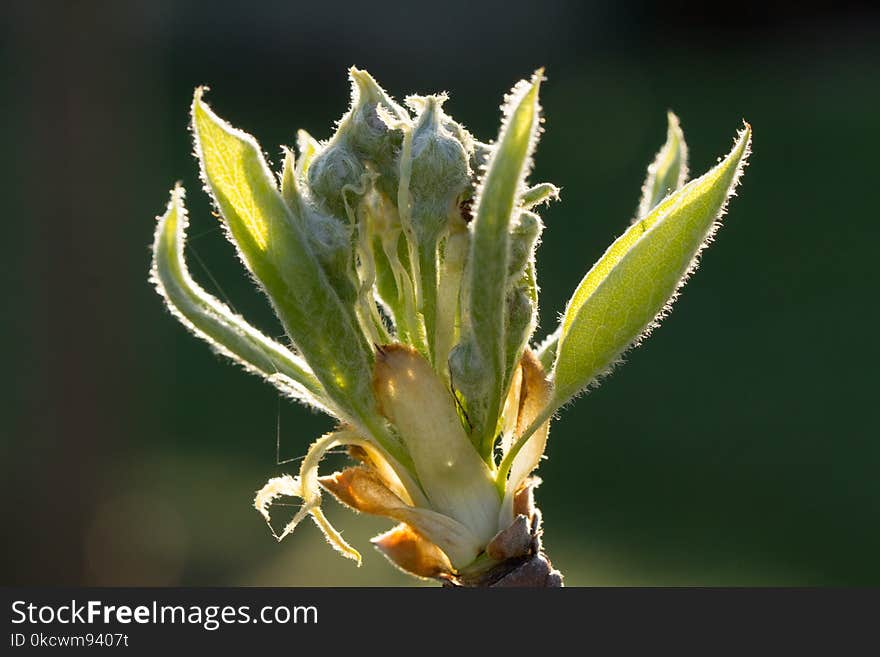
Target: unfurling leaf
<point x="480" y="369"/>
<point x="669" y="170"/>
<point x="538" y="194"/>
<point x="629" y="289"/>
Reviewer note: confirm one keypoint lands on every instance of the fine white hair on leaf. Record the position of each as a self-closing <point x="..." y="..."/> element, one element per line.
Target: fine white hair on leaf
<point x="511" y="101"/>
<point x="214" y="322"/>
<point x="198" y="153"/>
<point x="546" y="349"/>
<point x="668" y="170"/>
<point x="578" y="376"/>
<point x="693" y="264"/>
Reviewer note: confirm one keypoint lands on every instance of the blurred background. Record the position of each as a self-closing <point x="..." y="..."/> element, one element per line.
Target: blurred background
<point x="738" y="446"/>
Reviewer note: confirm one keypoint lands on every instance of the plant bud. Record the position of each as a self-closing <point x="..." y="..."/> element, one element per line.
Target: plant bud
<point x="369" y="129"/>
<point x="524" y="236"/>
<point x="440" y="171"/>
<point x="332" y="173"/>
<point x="520" y="318"/>
<point x="331" y="241"/>
<point x="468" y="372"/>
<point x="417" y="104"/>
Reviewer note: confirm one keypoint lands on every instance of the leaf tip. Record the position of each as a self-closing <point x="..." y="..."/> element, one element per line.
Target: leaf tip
<point x="198" y="95"/>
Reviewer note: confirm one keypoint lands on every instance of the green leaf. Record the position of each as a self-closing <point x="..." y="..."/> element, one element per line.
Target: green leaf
<point x="669" y="170"/>
<point x="212" y="321"/>
<point x="485" y="286"/>
<point x="631" y="287"/>
<point x="308" y="147"/>
<point x="289" y="186"/>
<point x="538" y="194"/>
<point x="546" y="350"/>
<point x="666" y="173"/>
<point x="273" y="246"/>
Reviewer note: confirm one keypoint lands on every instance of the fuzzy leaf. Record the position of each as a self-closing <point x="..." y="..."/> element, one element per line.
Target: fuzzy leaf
<point x="272" y="245"/>
<point x="669" y="170"/>
<point x="485" y="285"/>
<point x="308" y="147"/>
<point x="538" y="194"/>
<point x="546" y="351"/>
<point x="631" y="287"/>
<point x="214" y="322"/>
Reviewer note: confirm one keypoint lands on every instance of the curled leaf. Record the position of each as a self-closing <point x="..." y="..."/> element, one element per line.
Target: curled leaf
<point x="538" y="194"/>
<point x="535" y="394"/>
<point x="213" y="321"/>
<point x="306" y="486"/>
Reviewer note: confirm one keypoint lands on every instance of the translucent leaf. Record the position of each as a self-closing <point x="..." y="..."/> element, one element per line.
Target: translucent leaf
<point x="485" y="286"/>
<point x="538" y="194"/>
<point x="666" y="174"/>
<point x="669" y="170"/>
<point x="289" y="182"/>
<point x="211" y="320"/>
<point x="308" y="147"/>
<point x="632" y="286"/>
<point x="272" y="245"/>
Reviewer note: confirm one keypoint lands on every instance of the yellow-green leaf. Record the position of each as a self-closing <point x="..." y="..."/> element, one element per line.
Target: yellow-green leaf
<point x="272" y="244"/>
<point x="669" y="170"/>
<point x="631" y="287"/>
<point x="213" y="321"/>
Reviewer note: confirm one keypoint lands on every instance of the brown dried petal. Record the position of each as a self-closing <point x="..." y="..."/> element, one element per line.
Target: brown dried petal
<point x="363" y="490"/>
<point x="535" y="391"/>
<point x="412" y="553"/>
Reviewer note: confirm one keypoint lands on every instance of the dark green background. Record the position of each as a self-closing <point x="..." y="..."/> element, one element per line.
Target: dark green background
<point x="738" y="446"/>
